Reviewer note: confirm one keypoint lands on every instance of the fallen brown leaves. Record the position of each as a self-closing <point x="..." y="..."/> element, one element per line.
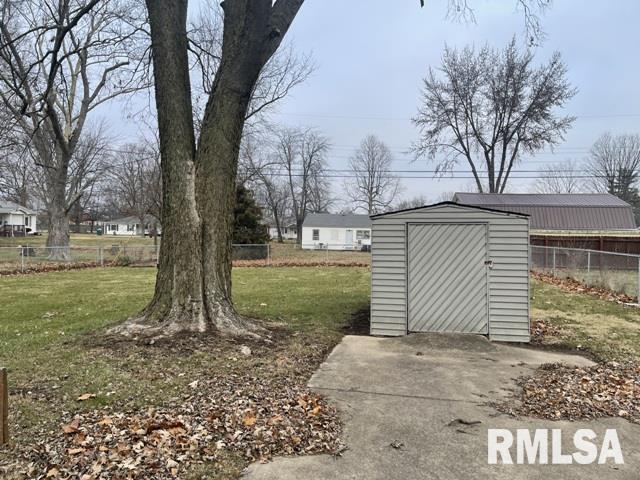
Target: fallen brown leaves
<point x="283" y="262"/>
<point x="557" y="391"/>
<point x="252" y="413"/>
<point x="574" y="286"/>
<point x="543" y="331"/>
<point x="297" y="262"/>
<point x="45" y="267"/>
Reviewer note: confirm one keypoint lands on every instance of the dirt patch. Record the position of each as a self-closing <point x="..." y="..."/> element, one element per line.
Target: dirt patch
<point x="359" y="322"/>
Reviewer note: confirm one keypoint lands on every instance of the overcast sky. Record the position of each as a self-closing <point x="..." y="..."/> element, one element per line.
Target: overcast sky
<point x="372" y="55"/>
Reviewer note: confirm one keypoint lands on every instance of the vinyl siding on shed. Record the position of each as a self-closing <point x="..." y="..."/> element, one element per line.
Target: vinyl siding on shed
<point x="508" y="282"/>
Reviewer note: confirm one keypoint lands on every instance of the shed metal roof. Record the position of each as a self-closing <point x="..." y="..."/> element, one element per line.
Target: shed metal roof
<point x="337" y="220"/>
<point x="582" y="211"/>
<point x="456" y="204"/>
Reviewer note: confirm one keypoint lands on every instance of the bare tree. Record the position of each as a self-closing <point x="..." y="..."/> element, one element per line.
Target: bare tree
<point x="302" y="156"/>
<point x="415" y="202"/>
<point x="84" y="170"/>
<point x="261" y="168"/>
<point x="462" y="10"/>
<point x="284" y="71"/>
<point x="373" y="187"/>
<point x="16" y="175"/>
<point x="320" y="197"/>
<point x="488" y="107"/>
<point x="563" y="177"/>
<point x="132" y="183"/>
<point x="60" y="60"/>
<point x="193" y="285"/>
<point x="614" y="163"/>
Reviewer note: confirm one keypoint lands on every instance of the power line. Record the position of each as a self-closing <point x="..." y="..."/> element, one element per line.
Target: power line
<point x="444" y="176"/>
<point x="408" y="119"/>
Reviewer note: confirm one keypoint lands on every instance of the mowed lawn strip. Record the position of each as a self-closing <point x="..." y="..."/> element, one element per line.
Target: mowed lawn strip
<point x="608" y="330"/>
<point x="47" y="323"/>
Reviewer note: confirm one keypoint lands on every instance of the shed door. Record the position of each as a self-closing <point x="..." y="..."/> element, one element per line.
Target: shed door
<point x="447" y="278"/>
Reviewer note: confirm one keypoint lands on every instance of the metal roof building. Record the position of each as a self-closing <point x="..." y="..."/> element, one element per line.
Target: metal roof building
<point x="572" y="211"/>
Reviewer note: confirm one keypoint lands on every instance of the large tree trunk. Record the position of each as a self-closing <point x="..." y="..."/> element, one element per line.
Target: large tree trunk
<point x="177" y="304"/>
<point x="218" y="151"/>
<point x="58" y="216"/>
<point x="193" y="285"/>
<point x="58" y="236"/>
<point x="299" y="231"/>
<point x="276" y="219"/>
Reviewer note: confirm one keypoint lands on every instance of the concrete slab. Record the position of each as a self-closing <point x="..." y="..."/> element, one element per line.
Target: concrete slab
<point x="407" y="391"/>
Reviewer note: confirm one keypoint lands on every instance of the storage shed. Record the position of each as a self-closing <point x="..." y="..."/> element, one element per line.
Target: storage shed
<point x="451" y="268"/>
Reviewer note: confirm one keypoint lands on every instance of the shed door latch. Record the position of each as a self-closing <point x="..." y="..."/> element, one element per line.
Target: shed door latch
<point x="489" y="263"/>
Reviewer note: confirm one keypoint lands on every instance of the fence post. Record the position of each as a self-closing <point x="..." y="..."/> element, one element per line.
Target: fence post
<point x="638" y="299"/>
<point x="157" y="253"/>
<point x="554" y="262"/>
<point x="101" y="256"/>
<point x="4" y="407"/>
<point x="21" y="258"/>
<point x="268" y="254"/>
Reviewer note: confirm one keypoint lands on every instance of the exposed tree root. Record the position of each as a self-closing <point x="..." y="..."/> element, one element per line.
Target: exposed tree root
<point x="151" y="327"/>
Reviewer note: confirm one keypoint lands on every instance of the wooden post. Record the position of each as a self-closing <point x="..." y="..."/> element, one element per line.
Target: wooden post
<point x="4" y="407"/>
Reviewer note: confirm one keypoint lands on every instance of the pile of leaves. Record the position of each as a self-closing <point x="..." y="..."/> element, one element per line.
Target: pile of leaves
<point x="297" y="262"/>
<point x="252" y="417"/>
<point x="283" y="262"/>
<point x="557" y="391"/>
<point x="570" y="285"/>
<point x="46" y="267"/>
<point x="542" y="332"/>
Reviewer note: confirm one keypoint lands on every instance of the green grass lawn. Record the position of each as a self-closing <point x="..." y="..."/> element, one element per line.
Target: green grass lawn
<point x="47" y="321"/>
<point x="610" y="331"/>
<point x="50" y="325"/>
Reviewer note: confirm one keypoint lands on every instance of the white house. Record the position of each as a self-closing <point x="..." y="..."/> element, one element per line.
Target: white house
<point x="16" y="220"/>
<point x="289" y="232"/>
<point x="131" y="226"/>
<point x="336" y="232"/>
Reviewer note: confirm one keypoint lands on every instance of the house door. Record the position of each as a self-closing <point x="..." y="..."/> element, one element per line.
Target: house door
<point x="348" y="238"/>
<point x="447" y="278"/>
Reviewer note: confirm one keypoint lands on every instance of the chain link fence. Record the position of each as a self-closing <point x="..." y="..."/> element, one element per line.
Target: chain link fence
<point x="335" y="254"/>
<point x="31" y="258"/>
<point x="618" y="272"/>
<point x="26" y="258"/>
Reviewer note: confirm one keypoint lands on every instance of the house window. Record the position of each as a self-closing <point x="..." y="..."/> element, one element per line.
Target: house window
<point x="27" y="221"/>
<point x="316" y="234"/>
<point x="130" y="227"/>
<point x="363" y="234"/>
<point x="113" y="227"/>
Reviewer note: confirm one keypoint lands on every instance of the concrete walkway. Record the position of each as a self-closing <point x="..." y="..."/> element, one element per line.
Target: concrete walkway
<point x="408" y="392"/>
